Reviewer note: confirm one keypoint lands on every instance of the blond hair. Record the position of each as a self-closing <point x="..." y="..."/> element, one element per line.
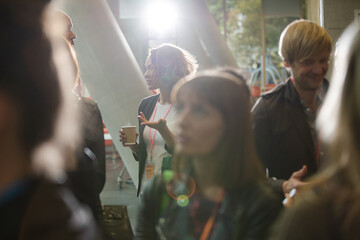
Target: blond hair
<point x="302" y="39"/>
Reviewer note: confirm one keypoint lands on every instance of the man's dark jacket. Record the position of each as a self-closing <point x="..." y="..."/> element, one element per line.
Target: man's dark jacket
<point x="282" y="133"/>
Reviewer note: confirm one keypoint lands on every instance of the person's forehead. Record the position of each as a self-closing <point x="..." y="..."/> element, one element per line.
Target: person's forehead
<point x="67" y="20"/>
<point x="61" y="16"/>
<point x="318" y="55"/>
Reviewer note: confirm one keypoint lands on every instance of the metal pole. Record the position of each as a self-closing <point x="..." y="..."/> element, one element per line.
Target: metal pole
<point x="225" y="17"/>
<point x="263" y="47"/>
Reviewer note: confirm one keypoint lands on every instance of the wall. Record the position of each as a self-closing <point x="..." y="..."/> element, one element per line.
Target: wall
<point x="336" y="14"/>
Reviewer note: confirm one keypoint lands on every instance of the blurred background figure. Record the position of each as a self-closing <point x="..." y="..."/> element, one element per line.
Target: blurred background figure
<point x="165" y="66"/>
<point x="38" y="130"/>
<point x="330" y="208"/>
<point x="62" y="17"/>
<point x="88" y="179"/>
<point x="218" y="187"/>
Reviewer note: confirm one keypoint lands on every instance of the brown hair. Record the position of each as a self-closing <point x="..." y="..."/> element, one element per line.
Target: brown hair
<point x="172" y="63"/>
<point x="236" y="156"/>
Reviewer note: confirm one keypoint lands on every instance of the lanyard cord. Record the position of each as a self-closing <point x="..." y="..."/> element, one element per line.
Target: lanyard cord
<point x="209" y="224"/>
<point x="152" y="139"/>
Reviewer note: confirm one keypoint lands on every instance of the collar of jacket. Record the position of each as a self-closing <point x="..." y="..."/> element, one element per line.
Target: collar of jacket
<point x="290" y="91"/>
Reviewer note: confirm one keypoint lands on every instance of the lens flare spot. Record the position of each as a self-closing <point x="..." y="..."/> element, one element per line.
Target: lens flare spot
<point x="182" y="200"/>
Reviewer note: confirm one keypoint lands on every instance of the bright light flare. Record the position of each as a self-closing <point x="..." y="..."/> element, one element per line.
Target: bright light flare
<point x="161" y="18"/>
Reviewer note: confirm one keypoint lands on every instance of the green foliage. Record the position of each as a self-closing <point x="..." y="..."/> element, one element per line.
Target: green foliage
<point x="244" y="30"/>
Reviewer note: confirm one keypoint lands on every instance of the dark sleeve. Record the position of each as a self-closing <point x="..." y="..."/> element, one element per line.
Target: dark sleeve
<point x="99" y="149"/>
<point x="263" y="142"/>
<point x="135" y="157"/>
<point x="304" y="221"/>
<point x="141" y="142"/>
<point x="149" y="209"/>
<point x="261" y="214"/>
<point x="169" y="150"/>
<point x="262" y="132"/>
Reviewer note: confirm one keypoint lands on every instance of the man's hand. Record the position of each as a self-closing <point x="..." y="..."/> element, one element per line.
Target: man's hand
<point x="295" y="180"/>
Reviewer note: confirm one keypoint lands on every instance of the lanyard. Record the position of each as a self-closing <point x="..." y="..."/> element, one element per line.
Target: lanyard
<point x="209" y="224"/>
<point x="152" y="139"/>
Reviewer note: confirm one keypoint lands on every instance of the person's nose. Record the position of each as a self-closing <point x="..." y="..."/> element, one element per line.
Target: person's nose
<point x="72" y="35"/>
<point x="183" y="119"/>
<point x="147" y="74"/>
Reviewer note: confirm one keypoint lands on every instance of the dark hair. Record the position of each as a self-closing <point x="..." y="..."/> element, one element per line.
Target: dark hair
<point x="237" y="159"/>
<point x="27" y="73"/>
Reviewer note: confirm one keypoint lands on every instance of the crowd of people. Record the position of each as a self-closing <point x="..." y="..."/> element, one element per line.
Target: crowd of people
<point x="211" y="165"/>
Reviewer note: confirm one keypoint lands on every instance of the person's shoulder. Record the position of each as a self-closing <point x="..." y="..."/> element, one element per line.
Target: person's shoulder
<point x="148" y="100"/>
<point x="88" y="101"/>
<point x="274" y="92"/>
<point x="272" y="98"/>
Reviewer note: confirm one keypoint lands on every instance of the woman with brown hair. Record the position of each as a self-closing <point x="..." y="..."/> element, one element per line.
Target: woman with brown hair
<point x="217" y="189"/>
<point x="165" y="66"/>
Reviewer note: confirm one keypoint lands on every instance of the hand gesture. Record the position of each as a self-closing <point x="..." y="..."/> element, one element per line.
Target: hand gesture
<point x="158" y="125"/>
<point x="295" y="180"/>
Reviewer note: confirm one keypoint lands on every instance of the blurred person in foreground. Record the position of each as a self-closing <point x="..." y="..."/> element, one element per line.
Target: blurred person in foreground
<point x="330" y="207"/>
<point x="38" y="130"/>
<point x="218" y="187"/>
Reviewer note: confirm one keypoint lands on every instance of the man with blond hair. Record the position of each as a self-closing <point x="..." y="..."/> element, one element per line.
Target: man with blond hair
<point x="284" y="118"/>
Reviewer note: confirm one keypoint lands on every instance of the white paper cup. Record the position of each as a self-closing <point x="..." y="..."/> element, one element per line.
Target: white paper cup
<point x="130" y="132"/>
